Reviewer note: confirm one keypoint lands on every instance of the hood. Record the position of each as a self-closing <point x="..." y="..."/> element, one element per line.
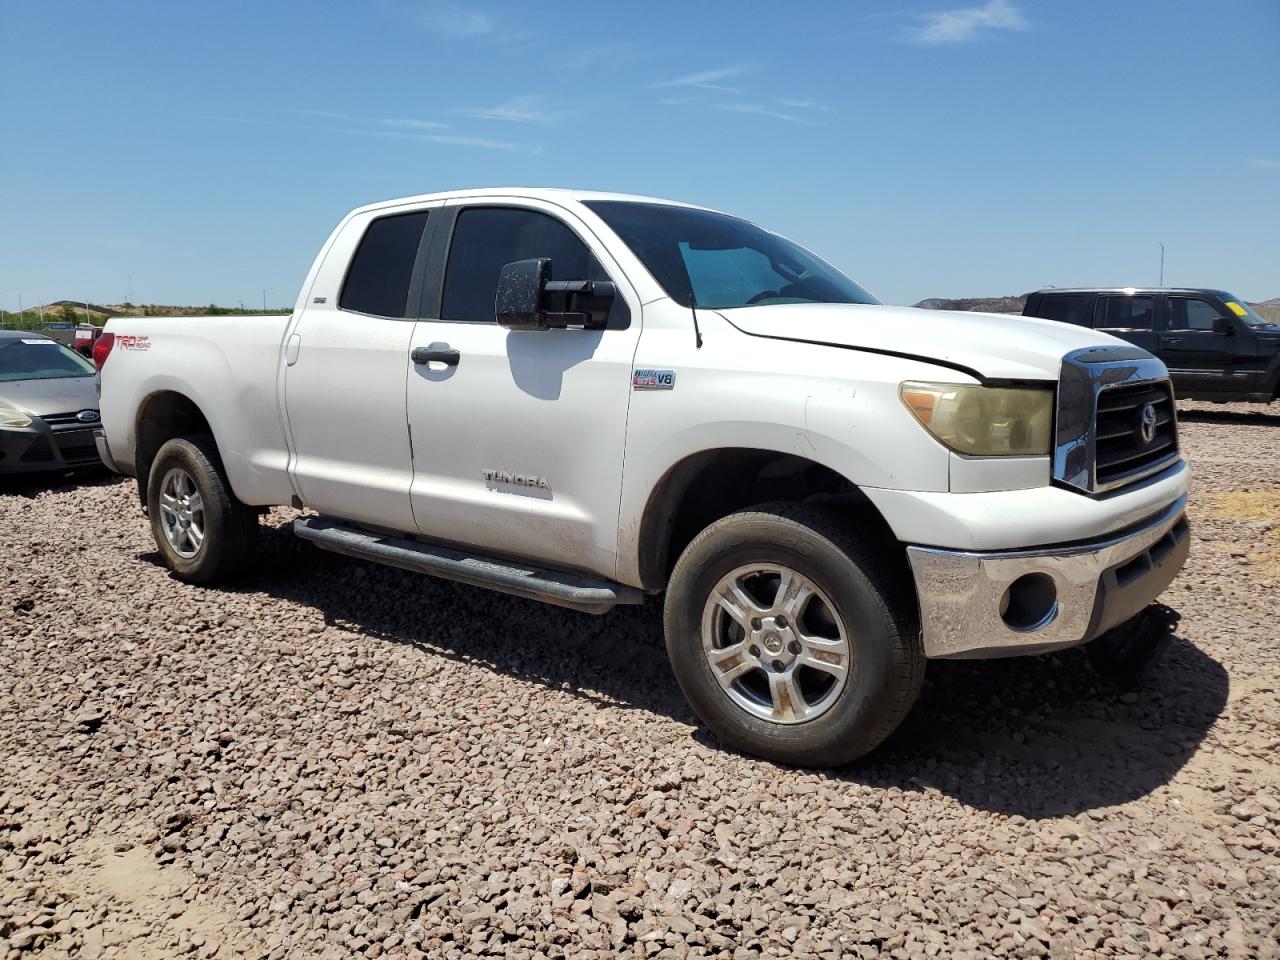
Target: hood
<point x="993" y="345"/>
<point x="54" y="395"/>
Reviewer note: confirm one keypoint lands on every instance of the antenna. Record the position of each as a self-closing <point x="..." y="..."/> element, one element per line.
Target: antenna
<point x="693" y="308"/>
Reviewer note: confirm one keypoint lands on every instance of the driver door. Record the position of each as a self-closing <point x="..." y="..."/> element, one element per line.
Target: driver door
<point x="518" y="435"/>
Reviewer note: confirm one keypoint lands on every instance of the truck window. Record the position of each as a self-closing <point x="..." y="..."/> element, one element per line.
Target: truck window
<point x="1065" y="308"/>
<point x="1186" y="313"/>
<point x="485" y="239"/>
<point x="1124" y="313"/>
<point x="378" y="278"/>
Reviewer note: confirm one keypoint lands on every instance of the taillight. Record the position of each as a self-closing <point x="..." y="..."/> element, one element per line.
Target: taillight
<point x="102" y="347"/>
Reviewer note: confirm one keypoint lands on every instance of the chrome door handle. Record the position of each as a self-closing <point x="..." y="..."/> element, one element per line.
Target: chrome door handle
<point x="1171" y="340"/>
<point x="436" y="353"/>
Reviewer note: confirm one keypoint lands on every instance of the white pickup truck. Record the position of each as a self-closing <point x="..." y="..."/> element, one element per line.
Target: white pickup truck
<point x="588" y="398"/>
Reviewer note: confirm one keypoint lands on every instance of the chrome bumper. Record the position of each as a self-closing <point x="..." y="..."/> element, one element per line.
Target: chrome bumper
<point x="1011" y="603"/>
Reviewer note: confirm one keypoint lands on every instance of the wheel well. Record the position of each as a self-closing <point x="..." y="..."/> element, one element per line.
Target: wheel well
<point x="162" y="417"/>
<point x="707" y="486"/>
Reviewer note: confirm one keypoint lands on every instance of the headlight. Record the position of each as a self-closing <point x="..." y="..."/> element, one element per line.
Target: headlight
<point x="13" y="417"/>
<point x="983" y="421"/>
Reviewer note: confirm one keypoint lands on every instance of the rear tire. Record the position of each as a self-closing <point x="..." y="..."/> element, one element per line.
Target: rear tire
<point x="762" y="608"/>
<point x="203" y="532"/>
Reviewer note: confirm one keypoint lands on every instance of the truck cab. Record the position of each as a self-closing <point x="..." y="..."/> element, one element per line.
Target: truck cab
<point x="1216" y="346"/>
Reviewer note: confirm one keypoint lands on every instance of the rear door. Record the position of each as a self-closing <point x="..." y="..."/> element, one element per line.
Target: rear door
<point x="1127" y="316"/>
<point x="1200" y="359"/>
<point x="518" y="444"/>
<point x="347" y="361"/>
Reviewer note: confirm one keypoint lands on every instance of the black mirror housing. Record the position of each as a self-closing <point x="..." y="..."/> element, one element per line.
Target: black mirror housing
<point x="517" y="303"/>
<point x="528" y="299"/>
<point x="1223" y="325"/>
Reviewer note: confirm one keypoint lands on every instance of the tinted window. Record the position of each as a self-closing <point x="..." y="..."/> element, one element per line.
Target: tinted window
<point x="485" y="239"/>
<point x="1124" y="313"/>
<point x="33" y="358"/>
<point x="1066" y="308"/>
<point x="726" y="262"/>
<point x="378" y="278"/>
<point x="1188" y="314"/>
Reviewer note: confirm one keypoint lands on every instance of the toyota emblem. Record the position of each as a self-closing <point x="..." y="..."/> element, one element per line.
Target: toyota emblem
<point x="1147" y="423"/>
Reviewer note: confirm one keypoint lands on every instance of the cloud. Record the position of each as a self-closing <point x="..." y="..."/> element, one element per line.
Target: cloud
<point x="326" y="114"/>
<point x="967" y="23"/>
<point x="454" y="19"/>
<point x="1264" y="164"/>
<point x="761" y="110"/>
<point x="704" y="80"/>
<point x="525" y="109"/>
<point x="444" y="138"/>
<point x="802" y="104"/>
<point x="413" y="124"/>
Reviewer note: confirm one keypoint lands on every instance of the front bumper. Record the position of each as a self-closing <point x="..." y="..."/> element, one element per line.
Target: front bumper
<point x="38" y="448"/>
<point x="1013" y="602"/>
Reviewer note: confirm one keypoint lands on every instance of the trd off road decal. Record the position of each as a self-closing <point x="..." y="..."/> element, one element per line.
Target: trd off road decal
<point x="653" y="380"/>
<point x="129" y="341"/>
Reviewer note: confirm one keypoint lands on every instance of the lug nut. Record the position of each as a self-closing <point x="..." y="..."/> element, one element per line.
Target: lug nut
<point x="794" y="646"/>
<point x="782" y="621"/>
<point x="754" y="651"/>
<point x="778" y="665"/>
<point x="757" y="623"/>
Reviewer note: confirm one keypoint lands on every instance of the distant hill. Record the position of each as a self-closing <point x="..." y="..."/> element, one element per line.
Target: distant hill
<point x="975" y="304"/>
<point x="76" y="311"/>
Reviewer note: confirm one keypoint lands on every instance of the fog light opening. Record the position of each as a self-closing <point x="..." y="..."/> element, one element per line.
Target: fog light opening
<point x="1030" y="603"/>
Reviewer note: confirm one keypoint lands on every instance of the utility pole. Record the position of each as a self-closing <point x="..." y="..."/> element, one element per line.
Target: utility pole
<point x="264" y="298"/>
<point x="1161" y="262"/>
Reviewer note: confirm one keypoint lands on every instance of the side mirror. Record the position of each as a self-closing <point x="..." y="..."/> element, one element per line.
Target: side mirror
<point x="528" y="299"/>
<point x="518" y="301"/>
<point x="1223" y="326"/>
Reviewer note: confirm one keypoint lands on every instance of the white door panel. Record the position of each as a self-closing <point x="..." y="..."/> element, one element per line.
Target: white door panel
<point x="532" y="407"/>
<point x="518" y="449"/>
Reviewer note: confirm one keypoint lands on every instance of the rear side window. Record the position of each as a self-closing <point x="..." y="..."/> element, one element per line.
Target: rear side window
<point x="1064" y="307"/>
<point x="1124" y="313"/>
<point x="378" y="278"/>
<point x="1186" y="313"/>
<point x="485" y="239"/>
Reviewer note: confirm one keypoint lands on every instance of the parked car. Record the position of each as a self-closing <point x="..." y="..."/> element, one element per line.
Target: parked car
<point x="1215" y="345"/>
<point x="589" y="398"/>
<point x="48" y="405"/>
<point x="86" y="334"/>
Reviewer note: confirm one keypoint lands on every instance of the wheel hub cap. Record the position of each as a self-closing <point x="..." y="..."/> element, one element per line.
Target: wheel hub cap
<point x="775" y="643"/>
<point x="181" y="513"/>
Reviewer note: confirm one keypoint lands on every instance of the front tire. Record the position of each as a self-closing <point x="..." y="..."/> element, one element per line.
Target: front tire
<point x="203" y="532"/>
<point x="791" y="640"/>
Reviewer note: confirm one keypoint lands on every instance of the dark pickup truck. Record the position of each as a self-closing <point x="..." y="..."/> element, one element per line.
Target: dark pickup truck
<point x="1215" y="345"/>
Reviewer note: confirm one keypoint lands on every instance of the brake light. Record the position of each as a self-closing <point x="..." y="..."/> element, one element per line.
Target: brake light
<point x="102" y="348"/>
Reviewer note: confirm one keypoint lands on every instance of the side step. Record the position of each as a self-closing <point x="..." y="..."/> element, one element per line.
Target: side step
<point x="562" y="589"/>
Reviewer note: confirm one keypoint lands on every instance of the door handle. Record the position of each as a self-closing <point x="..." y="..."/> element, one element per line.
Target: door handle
<point x="1171" y="340"/>
<point x="436" y="353"/>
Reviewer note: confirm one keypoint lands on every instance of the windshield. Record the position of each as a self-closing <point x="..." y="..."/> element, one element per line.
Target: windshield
<point x="35" y="358"/>
<point x="1242" y="310"/>
<point x="725" y="262"/>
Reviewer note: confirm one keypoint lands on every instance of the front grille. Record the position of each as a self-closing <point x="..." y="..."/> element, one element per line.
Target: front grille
<point x="77" y="446"/>
<point x="1123" y="453"/>
<point x="67" y="421"/>
<point x="1115" y="422"/>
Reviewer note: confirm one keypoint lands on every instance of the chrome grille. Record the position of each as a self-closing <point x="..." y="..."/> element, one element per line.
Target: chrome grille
<point x="1104" y="396"/>
<point x="68" y="421"/>
<point x="1123" y="452"/>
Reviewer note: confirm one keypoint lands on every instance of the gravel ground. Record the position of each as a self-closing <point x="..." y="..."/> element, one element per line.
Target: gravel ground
<point x="336" y="759"/>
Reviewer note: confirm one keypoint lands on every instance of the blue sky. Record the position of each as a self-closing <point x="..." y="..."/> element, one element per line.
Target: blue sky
<point x="943" y="148"/>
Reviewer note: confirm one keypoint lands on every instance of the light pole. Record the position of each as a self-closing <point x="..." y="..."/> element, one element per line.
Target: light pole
<point x="264" y="298"/>
<point x="1161" y="262"/>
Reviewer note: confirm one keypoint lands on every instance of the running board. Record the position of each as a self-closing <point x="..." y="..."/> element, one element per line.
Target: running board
<point x="562" y="589"/>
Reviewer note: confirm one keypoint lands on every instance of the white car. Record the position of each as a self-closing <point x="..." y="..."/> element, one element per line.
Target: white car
<point x="589" y="398"/>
